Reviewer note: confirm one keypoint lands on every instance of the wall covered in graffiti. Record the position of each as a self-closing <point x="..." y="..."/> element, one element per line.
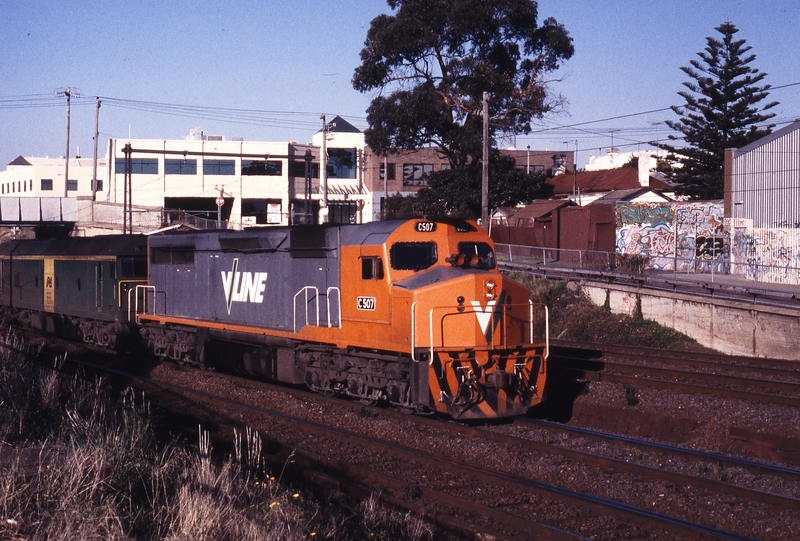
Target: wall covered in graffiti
<point x="687" y="237"/>
<point x="766" y="255"/>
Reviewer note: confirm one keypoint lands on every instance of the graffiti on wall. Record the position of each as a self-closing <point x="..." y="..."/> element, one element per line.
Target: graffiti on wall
<point x="687" y="237"/>
<point x="766" y="255"/>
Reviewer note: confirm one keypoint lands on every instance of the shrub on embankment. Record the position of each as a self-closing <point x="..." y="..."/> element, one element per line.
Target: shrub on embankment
<point x="574" y="317"/>
<point x="79" y="462"/>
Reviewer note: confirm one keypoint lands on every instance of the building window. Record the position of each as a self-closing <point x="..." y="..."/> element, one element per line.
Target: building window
<point x="391" y="171"/>
<point x="298" y="214"/>
<point x="72" y="185"/>
<point x="298" y="169"/>
<point x="444" y="167"/>
<point x="413" y="173"/>
<point x="341" y="163"/>
<point x="268" y="168"/>
<point x="535" y="169"/>
<point x="98" y="186"/>
<point x="180" y="167"/>
<point x="261" y="211"/>
<point x="139" y="166"/>
<point x="343" y="212"/>
<point x="219" y="167"/>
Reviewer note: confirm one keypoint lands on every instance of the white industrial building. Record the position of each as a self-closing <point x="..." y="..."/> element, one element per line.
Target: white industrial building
<point x="614" y="159"/>
<point x="244" y="183"/>
<point x="192" y="180"/>
<point x="44" y="177"/>
<point x="206" y="180"/>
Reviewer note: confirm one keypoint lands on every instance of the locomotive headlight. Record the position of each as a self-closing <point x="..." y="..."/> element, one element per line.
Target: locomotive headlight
<point x="491" y="292"/>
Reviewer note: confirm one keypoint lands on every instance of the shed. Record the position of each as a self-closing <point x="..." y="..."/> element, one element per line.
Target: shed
<point x="536" y="224"/>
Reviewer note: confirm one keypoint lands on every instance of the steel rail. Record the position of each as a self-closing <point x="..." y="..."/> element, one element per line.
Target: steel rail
<point x="681" y="479"/>
<point x="759" y="467"/>
<point x="685" y="357"/>
<point x="765" y="398"/>
<point x="621" y="510"/>
<point x="541" y="529"/>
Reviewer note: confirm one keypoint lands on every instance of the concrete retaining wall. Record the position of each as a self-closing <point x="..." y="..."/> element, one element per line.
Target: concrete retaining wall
<point x="729" y="326"/>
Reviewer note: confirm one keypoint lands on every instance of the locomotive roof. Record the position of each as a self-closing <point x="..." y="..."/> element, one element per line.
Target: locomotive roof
<point x="304" y="236"/>
<point x="275" y="237"/>
<point x="104" y="245"/>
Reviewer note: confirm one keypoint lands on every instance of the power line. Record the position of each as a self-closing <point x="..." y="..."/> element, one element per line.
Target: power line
<point x="308" y="120"/>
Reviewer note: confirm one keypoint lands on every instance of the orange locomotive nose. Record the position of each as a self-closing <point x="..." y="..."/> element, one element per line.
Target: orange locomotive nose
<point x="484" y="347"/>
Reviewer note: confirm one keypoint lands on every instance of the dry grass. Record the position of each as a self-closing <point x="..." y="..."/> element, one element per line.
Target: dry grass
<point x="80" y="463"/>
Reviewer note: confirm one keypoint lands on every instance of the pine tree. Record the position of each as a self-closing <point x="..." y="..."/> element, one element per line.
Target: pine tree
<point x="721" y="111"/>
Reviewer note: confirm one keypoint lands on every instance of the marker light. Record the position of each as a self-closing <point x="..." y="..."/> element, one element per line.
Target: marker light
<point x="490" y="289"/>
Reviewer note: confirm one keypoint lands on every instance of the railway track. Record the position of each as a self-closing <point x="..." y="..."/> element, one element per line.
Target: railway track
<point x="484" y="480"/>
<point x="768" y="381"/>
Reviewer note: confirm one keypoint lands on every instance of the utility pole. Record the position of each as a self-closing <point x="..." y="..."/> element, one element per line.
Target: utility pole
<point x="96" y="134"/>
<point x="385" y="184"/>
<point x="68" y="93"/>
<point x="575" y="173"/>
<point x="127" y="203"/>
<point x="323" y="171"/>
<point x="485" y="164"/>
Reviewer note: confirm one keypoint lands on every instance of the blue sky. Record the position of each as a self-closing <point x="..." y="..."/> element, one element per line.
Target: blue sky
<point x="293" y="62"/>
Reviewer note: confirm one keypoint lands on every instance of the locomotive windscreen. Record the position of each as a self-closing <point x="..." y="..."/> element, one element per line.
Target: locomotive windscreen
<point x="412" y="255"/>
<point x="482" y="250"/>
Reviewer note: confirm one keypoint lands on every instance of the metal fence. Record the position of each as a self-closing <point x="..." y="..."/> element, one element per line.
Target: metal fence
<point x="194" y="220"/>
<point x="523" y="257"/>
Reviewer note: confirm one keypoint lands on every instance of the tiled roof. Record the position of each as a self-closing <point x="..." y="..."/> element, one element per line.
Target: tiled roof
<point x="536" y="209"/>
<point x="595" y="181"/>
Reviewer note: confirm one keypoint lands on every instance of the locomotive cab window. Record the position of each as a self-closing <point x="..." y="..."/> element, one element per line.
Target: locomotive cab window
<point x="477" y="255"/>
<point x="371" y="268"/>
<point x="413" y="255"/>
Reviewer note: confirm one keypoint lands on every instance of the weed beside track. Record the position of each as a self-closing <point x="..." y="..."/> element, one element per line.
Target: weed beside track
<point x="80" y="462"/>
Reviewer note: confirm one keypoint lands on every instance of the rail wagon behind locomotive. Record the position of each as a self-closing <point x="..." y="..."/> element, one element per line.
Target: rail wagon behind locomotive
<point x="411" y="312"/>
<point x="76" y="288"/>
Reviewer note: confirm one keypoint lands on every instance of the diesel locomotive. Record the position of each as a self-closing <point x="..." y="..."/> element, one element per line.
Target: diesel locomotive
<point x="413" y="313"/>
<point x="75" y="288"/>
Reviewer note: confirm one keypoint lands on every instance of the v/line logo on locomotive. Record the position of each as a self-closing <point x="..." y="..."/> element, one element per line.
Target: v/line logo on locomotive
<point x="484" y="315"/>
<point x="243" y="286"/>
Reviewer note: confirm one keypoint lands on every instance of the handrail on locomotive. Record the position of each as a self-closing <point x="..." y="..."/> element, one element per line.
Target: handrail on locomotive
<point x="134" y="303"/>
<point x="502" y="330"/>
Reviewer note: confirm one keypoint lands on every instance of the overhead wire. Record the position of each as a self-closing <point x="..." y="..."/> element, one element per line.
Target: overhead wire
<point x="310" y="120"/>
